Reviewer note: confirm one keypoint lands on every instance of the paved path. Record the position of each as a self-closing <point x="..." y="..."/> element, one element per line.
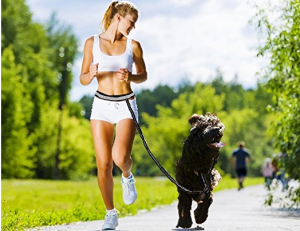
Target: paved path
<point x="232" y="210"/>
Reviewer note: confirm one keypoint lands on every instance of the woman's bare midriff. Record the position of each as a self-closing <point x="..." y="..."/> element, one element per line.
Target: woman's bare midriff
<point x="109" y="84"/>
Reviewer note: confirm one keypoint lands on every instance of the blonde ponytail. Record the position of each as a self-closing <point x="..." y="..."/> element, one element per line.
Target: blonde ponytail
<point x="123" y="8"/>
<point x="109" y="14"/>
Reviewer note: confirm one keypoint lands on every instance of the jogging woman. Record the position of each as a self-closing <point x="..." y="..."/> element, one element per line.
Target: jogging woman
<point x="109" y="58"/>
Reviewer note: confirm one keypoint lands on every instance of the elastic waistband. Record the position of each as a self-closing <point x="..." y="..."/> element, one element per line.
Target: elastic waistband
<point x="114" y="98"/>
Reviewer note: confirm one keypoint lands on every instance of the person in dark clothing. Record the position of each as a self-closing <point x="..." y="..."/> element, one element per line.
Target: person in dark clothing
<point x="240" y="158"/>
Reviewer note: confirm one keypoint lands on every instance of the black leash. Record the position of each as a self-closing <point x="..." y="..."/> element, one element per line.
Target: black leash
<point x="206" y="188"/>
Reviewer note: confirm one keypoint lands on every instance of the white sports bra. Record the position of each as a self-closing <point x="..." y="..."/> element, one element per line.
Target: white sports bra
<point x="112" y="62"/>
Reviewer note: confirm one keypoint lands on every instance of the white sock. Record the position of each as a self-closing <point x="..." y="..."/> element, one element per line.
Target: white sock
<point x="111" y="211"/>
<point x="126" y="179"/>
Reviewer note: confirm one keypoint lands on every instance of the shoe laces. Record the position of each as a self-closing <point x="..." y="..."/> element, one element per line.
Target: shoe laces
<point x="128" y="186"/>
<point x="109" y="217"/>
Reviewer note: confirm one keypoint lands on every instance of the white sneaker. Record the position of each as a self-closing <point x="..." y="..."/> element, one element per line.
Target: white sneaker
<point x="129" y="191"/>
<point x="111" y="221"/>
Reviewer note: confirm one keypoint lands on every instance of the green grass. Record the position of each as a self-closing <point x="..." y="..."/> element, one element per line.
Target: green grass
<point x="32" y="203"/>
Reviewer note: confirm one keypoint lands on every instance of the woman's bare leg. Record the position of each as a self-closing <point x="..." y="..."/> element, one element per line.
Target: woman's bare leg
<point x="103" y="132"/>
<point x="121" y="152"/>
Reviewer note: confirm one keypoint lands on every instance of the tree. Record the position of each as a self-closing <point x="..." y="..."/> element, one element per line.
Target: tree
<point x="249" y="126"/>
<point x="36" y="79"/>
<point x="86" y="102"/>
<point x="17" y="154"/>
<point x="160" y="95"/>
<point x="64" y="44"/>
<point x="281" y="42"/>
<point x="166" y="132"/>
<point x="24" y="57"/>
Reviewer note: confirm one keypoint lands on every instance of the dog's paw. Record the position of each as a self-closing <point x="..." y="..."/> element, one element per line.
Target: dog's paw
<point x="184" y="221"/>
<point x="201" y="218"/>
<point x="184" y="224"/>
<point x="201" y="212"/>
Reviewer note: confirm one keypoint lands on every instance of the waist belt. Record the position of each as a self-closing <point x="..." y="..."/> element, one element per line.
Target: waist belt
<point x="114" y="98"/>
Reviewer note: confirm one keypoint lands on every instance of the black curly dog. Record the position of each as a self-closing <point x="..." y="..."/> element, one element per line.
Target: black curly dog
<point x="199" y="155"/>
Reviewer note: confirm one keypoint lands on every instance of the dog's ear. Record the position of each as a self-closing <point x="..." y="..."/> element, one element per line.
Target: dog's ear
<point x="194" y="119"/>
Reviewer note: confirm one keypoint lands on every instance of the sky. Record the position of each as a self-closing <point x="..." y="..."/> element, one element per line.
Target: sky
<point x="182" y="40"/>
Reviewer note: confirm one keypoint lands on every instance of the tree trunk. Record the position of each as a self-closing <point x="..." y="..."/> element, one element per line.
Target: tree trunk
<point x="56" y="174"/>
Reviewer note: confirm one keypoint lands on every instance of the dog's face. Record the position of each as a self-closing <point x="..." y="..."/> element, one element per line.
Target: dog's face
<point x="208" y="130"/>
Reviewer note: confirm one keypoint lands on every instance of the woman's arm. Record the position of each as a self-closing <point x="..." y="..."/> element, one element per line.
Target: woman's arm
<point x="88" y="71"/>
<point x="141" y="73"/>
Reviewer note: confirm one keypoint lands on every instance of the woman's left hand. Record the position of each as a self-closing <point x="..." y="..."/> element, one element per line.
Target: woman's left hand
<point x="123" y="75"/>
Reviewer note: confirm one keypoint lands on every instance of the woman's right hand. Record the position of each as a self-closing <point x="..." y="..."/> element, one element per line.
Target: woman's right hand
<point x="93" y="70"/>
